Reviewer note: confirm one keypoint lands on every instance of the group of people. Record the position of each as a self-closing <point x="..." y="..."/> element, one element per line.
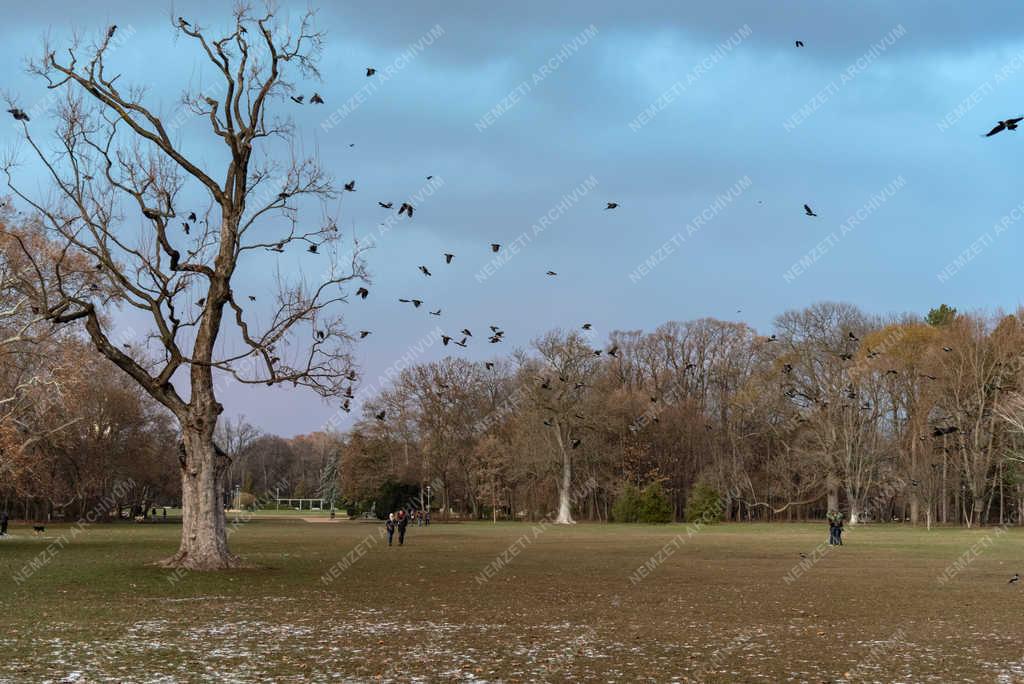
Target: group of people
<point x="835" y="528"/>
<point x="400" y="521"/>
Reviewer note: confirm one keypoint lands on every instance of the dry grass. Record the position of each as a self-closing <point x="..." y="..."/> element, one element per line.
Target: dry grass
<point x="717" y="609"/>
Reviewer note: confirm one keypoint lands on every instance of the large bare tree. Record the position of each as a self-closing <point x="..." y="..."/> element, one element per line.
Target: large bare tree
<point x="121" y="189"/>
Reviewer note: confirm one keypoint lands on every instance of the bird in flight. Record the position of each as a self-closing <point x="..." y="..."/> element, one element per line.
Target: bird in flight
<point x="460" y="343"/>
<point x="495" y="247"/>
<point x="386" y="205"/>
<point x="799" y="43"/>
<point x="448" y="257"/>
<point x="362" y="292"/>
<point x="316" y="99"/>
<point x="465" y="331"/>
<point x="186" y="227"/>
<point x="251" y="298"/>
<point x="405" y="208"/>
<point x="18" y="114"/>
<point x="586" y="326"/>
<point x="612" y="205"/>
<point x="415" y="302"/>
<point x="808" y="210"/>
<point x="488" y="365"/>
<point x="445" y="339"/>
<point x="382" y="415"/>
<point x="299" y="99"/>
<point x="435" y="313"/>
<point x="350" y="186"/>
<point x="370" y="71"/>
<point x="1008" y="125"/>
<point x="312" y="249"/>
<point x="192" y="216"/>
<point x="552" y="273"/>
<point x="363" y="334"/>
<point x="425" y="271"/>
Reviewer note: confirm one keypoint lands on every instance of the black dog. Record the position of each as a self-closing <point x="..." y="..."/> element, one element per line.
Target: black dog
<point x="38" y="529"/>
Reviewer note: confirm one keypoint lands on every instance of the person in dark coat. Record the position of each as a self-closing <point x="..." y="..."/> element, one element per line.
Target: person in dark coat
<point x="3" y="524"/>
<point x="390" y="525"/>
<point x="403" y="522"/>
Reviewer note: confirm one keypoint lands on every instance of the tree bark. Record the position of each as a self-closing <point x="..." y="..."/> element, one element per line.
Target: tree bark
<point x="203" y="523"/>
<point x="564" y="498"/>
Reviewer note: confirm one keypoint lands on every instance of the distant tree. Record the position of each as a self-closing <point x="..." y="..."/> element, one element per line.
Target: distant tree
<point x="943" y="315"/>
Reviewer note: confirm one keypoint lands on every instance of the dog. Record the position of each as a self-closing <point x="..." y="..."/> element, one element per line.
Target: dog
<point x="38" y="529"/>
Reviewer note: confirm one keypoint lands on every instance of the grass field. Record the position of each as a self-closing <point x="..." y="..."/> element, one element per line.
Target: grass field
<point x="712" y="606"/>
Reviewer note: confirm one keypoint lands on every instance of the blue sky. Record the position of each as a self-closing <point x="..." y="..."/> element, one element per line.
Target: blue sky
<point x="900" y="92"/>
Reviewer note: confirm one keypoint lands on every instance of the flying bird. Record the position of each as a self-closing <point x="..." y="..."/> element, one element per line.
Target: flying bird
<point x="362" y="292"/>
<point x="251" y="298"/>
<point x="312" y="249"/>
<point x="299" y="99"/>
<point x="799" y="43"/>
<point x="460" y="343"/>
<point x="445" y="339"/>
<point x="808" y="211"/>
<point x="192" y="216"/>
<point x="1015" y="578"/>
<point x="448" y="257"/>
<point x="350" y="186"/>
<point x="405" y="208"/>
<point x="18" y="114"/>
<point x="612" y="205"/>
<point x="186" y="227"/>
<point x="425" y="271"/>
<point x="386" y="205"/>
<point x="465" y="331"/>
<point x="363" y="334"/>
<point x="370" y="71"/>
<point x="316" y="99"/>
<point x="552" y="273"/>
<point x="381" y="415"/>
<point x="488" y="365"/>
<point x="495" y="247"/>
<point x="435" y="313"/>
<point x="1008" y="125"/>
<point x="586" y="326"/>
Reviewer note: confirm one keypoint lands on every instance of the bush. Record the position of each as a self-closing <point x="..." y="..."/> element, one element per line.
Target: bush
<point x="627" y="505"/>
<point x="654" y="505"/>
<point x="704" y="504"/>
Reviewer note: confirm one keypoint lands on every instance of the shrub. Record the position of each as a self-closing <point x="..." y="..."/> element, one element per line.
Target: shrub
<point x="627" y="505"/>
<point x="704" y="504"/>
<point x="654" y="505"/>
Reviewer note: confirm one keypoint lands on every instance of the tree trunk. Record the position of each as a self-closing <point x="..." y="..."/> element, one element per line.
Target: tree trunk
<point x="204" y="543"/>
<point x="564" y="498"/>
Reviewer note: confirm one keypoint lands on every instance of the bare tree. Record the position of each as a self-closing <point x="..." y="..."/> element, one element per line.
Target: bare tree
<point x="118" y="182"/>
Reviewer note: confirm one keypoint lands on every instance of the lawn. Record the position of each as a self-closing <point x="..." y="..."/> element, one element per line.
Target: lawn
<point x="516" y="602"/>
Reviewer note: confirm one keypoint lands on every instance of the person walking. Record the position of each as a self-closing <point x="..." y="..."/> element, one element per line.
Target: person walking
<point x="390" y="525"/>
<point x="831" y="516"/>
<point x="403" y="522"/>
<point x="3" y="524"/>
<point x="839" y="528"/>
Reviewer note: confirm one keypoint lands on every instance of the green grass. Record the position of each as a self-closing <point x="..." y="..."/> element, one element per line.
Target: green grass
<point x="716" y="609"/>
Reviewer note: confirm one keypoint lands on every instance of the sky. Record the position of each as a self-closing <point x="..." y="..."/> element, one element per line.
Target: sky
<point x="703" y="121"/>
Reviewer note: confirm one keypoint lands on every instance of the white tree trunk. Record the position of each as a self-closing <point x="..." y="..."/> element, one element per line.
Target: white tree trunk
<point x="564" y="492"/>
<point x="204" y="544"/>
